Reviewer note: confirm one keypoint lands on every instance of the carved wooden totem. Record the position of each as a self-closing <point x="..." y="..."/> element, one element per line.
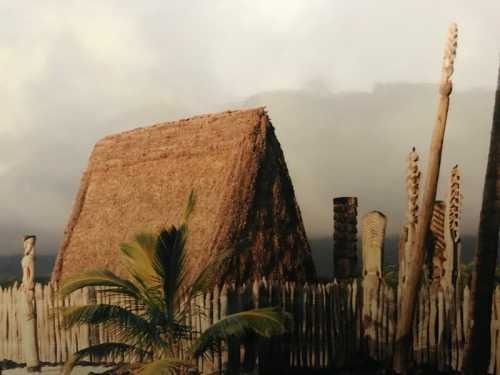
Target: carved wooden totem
<point x="345" y="210"/>
<point x="408" y="234"/>
<point x="373" y="235"/>
<point x="445" y="235"/>
<point x="413" y="274"/>
<point x="30" y="338"/>
<point x="452" y="234"/>
<point x="437" y="244"/>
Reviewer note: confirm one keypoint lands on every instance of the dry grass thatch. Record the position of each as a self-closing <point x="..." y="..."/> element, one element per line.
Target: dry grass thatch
<point x="245" y="200"/>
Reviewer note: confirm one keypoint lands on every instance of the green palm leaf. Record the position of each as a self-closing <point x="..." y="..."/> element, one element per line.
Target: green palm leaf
<point x="264" y="322"/>
<point x="170" y="263"/>
<point x="128" y="326"/>
<point x="99" y="278"/>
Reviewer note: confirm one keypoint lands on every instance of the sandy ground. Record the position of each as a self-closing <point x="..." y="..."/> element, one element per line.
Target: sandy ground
<point x="54" y="370"/>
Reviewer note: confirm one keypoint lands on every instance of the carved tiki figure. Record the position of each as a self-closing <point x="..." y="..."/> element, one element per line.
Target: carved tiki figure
<point x="30" y="337"/>
<point x="345" y="210"/>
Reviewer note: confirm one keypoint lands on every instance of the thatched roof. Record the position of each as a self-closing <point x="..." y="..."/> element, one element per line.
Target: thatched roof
<point x="245" y="201"/>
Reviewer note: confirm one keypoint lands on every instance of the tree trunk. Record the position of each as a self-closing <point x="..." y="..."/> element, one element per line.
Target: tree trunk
<point x="409" y="295"/>
<point x="483" y="279"/>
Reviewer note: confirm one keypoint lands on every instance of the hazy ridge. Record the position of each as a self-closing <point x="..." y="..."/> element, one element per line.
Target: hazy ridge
<point x="335" y="143"/>
<point x="10" y="267"/>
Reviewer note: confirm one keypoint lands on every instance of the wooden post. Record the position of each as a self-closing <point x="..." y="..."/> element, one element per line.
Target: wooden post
<point x="437" y="243"/>
<point x="345" y="236"/>
<point x="373" y="227"/>
<point x="452" y="230"/>
<point x="409" y="296"/>
<point x="373" y="235"/>
<point x="408" y="232"/>
<point x="30" y="337"/>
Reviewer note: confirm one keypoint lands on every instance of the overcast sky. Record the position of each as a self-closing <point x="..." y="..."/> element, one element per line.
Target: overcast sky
<point x="75" y="71"/>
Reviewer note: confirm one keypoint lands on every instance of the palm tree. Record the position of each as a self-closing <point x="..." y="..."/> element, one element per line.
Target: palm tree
<point x="151" y="324"/>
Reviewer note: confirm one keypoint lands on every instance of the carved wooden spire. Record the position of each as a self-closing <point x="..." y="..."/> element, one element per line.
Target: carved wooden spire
<point x="414" y="273"/>
<point x="454" y="204"/>
<point x="452" y="229"/>
<point x="437" y="241"/>
<point x="412" y="187"/>
<point x="412" y="184"/>
<point x="450" y="52"/>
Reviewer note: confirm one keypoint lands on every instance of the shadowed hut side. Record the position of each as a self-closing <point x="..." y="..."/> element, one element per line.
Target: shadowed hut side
<point x="245" y="202"/>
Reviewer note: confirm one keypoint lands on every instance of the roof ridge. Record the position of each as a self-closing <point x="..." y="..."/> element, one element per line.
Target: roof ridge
<point x="182" y="122"/>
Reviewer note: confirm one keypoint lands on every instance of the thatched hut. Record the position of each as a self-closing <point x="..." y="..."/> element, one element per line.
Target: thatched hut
<point x="245" y="201"/>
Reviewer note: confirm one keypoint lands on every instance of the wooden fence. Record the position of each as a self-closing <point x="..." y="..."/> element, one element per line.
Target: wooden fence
<point x="335" y="324"/>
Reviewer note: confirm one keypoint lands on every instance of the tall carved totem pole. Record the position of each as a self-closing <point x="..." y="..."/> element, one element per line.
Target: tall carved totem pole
<point x="30" y="337"/>
<point x="345" y="257"/>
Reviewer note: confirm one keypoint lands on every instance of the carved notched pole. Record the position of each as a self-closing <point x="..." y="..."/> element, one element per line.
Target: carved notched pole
<point x="412" y="184"/>
<point x="452" y="232"/>
<point x="409" y="295"/>
<point x="437" y="243"/>
<point x="30" y="337"/>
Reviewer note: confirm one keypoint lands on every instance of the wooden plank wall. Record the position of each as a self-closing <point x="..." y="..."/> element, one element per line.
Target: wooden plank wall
<point x="332" y="327"/>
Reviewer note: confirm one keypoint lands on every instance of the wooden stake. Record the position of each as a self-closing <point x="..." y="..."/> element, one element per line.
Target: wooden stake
<point x="409" y="296"/>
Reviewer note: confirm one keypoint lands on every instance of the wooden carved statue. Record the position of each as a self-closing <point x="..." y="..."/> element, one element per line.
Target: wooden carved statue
<point x="452" y="233"/>
<point x="414" y="272"/>
<point x="30" y="338"/>
<point x="345" y="236"/>
<point x="408" y="234"/>
<point x="373" y="235"/>
<point x="373" y="224"/>
<point x="437" y="247"/>
<point x="445" y="237"/>
<point x="28" y="264"/>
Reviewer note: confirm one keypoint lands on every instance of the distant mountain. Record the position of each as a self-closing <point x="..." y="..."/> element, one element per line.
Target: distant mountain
<point x="335" y="144"/>
<point x="356" y="144"/>
<point x="323" y="252"/>
<point x="10" y="267"/>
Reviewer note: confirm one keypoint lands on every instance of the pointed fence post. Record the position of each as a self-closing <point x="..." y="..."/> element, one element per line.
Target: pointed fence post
<point x="30" y="337"/>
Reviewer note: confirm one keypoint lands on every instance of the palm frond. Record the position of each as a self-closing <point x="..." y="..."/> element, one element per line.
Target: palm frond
<point x="170" y="263"/>
<point x="189" y="207"/>
<point x="166" y="366"/>
<point x="266" y="322"/>
<point x="98" y="278"/>
<point x="138" y="257"/>
<point x="99" y="313"/>
<point x="99" y="351"/>
<point x="124" y="324"/>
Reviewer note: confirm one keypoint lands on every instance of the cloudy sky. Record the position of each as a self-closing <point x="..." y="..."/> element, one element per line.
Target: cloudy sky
<point x="75" y="71"/>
